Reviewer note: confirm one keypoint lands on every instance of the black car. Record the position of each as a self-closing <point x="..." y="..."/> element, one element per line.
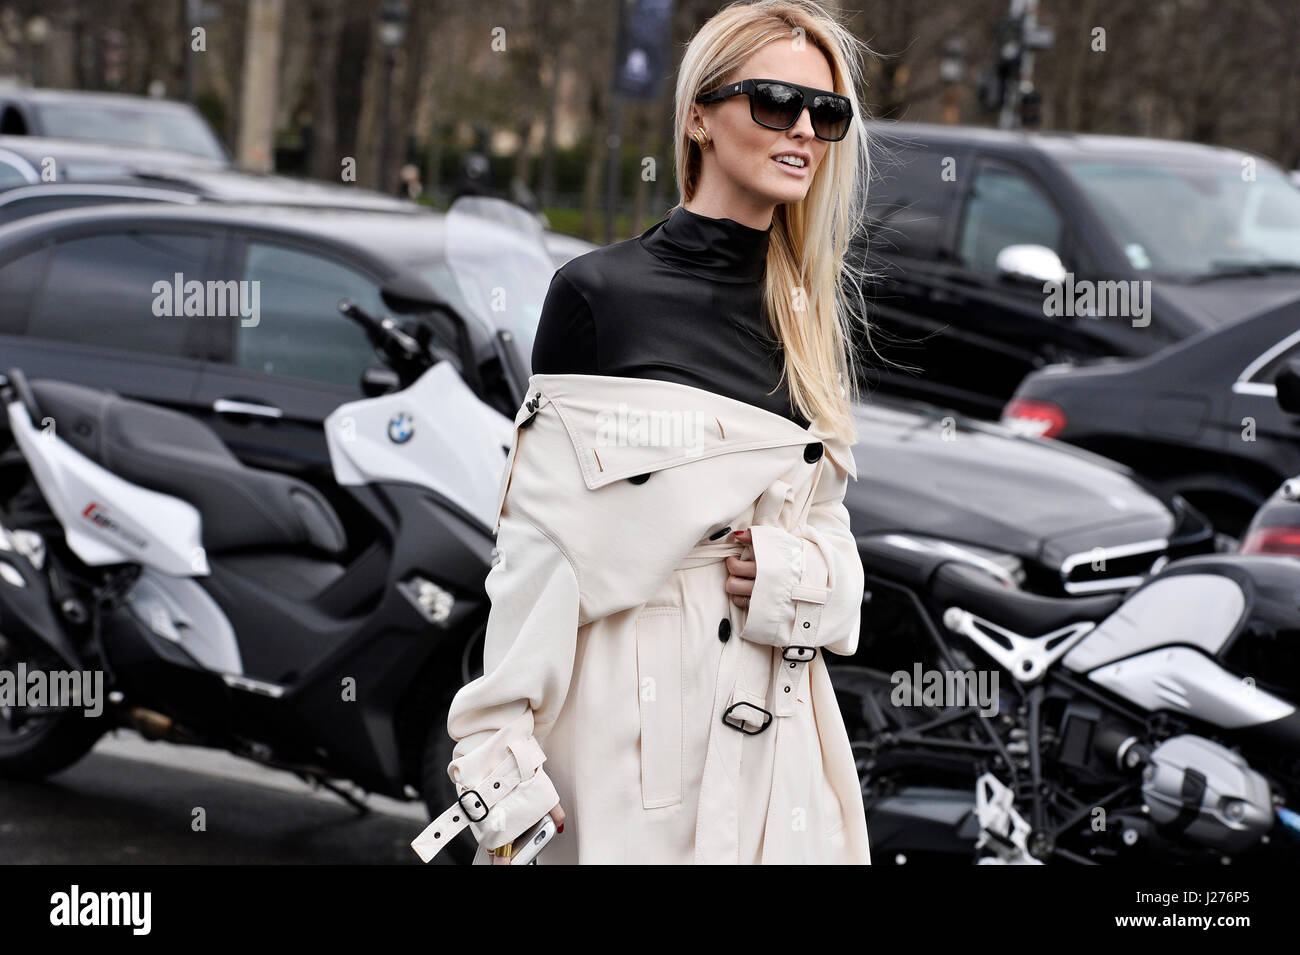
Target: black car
<point x="1214" y="231"/>
<point x="1051" y="520"/>
<point x="1200" y="419"/>
<point x="77" y="303"/>
<point x="109" y="118"/>
<point x="96" y="297"/>
<point x="80" y="300"/>
<point x="1275" y="529"/>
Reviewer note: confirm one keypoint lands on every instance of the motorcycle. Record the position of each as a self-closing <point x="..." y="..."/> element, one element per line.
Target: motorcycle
<point x="213" y="598"/>
<point x="1160" y="725"/>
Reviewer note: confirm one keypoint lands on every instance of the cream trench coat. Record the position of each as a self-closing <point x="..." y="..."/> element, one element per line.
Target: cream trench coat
<point x="677" y="727"/>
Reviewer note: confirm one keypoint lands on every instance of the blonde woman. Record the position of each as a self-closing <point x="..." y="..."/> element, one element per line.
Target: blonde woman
<point x="675" y="554"/>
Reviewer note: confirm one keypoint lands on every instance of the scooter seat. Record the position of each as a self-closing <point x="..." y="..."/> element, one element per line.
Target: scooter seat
<point x="176" y="454"/>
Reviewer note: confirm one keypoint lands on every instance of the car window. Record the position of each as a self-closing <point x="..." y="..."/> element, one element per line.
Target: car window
<point x="1194" y="220"/>
<point x="35" y="205"/>
<point x="18" y="280"/>
<point x="911" y="191"/>
<point x="1004" y="208"/>
<point x="118" y="291"/>
<point x="11" y="176"/>
<point x="134" y="125"/>
<point x="299" y="331"/>
<point x="1273" y="360"/>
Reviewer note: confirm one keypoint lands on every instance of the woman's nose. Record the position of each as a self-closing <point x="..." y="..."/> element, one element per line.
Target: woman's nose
<point x="803" y="126"/>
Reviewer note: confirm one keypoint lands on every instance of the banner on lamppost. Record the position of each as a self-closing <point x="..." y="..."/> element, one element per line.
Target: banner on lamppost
<point x="643" y="46"/>
<point x="640" y="64"/>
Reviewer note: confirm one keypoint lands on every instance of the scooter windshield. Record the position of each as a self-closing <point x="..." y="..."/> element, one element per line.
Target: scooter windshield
<point x="497" y="253"/>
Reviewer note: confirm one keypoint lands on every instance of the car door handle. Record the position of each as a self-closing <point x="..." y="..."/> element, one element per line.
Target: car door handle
<point x="231" y="406"/>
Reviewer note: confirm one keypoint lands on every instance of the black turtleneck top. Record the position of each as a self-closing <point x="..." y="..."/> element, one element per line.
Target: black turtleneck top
<point x="681" y="302"/>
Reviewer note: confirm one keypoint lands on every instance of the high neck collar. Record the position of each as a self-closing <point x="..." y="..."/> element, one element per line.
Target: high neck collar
<point x="720" y="249"/>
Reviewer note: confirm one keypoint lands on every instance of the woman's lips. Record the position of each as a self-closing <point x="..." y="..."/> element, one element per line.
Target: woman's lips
<point x="797" y="172"/>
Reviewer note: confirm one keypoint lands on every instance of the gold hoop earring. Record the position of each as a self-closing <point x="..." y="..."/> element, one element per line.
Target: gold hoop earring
<point x="701" y="136"/>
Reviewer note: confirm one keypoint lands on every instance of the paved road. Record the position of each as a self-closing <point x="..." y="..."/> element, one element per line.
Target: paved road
<point x="131" y="800"/>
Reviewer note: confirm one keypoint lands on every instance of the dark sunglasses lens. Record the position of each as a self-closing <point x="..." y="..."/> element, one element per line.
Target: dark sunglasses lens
<point x="830" y="117"/>
<point x="776" y="106"/>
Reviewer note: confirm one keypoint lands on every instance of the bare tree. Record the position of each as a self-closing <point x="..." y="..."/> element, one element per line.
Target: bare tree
<point x="261" y="70"/>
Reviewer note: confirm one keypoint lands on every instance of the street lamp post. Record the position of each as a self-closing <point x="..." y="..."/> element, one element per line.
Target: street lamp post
<point x="614" y="138"/>
<point x="952" y="68"/>
<point x="392" y="32"/>
<point x="1019" y="36"/>
<point x="641" y="49"/>
<point x="38" y="31"/>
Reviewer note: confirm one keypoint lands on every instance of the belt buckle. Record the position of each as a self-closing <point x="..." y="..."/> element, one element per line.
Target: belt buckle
<point x="799" y="658"/>
<point x="473" y="792"/>
<point x="766" y="723"/>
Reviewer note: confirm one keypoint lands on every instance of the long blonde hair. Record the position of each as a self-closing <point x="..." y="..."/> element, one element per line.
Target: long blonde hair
<point x="808" y="275"/>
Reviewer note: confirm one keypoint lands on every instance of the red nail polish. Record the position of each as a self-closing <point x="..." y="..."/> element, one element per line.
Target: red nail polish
<point x="559" y="829"/>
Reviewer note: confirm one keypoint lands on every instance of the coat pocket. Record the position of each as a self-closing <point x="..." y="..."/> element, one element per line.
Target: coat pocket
<point x="832" y="809"/>
<point x="659" y="678"/>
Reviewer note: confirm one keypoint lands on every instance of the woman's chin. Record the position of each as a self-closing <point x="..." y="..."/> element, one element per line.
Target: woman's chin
<point x="784" y="193"/>
<point x="789" y="196"/>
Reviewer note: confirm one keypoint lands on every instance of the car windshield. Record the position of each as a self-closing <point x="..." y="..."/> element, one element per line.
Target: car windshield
<point x="155" y="128"/>
<point x="1193" y="222"/>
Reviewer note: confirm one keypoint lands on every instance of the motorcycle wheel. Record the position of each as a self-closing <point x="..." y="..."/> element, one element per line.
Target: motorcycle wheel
<point x="36" y="743"/>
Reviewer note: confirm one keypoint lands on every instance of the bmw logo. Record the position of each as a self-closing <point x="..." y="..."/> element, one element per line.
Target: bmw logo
<point x="401" y="428"/>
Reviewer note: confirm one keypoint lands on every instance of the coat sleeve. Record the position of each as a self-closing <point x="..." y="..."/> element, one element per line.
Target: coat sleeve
<point x="498" y="719"/>
<point x="809" y="584"/>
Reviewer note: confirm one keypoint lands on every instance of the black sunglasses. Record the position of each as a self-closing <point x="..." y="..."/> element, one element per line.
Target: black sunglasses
<point x="778" y="105"/>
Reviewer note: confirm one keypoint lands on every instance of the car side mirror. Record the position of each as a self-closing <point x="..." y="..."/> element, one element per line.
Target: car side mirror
<point x="1288" y="386"/>
<point x="379" y="380"/>
<point x="1030" y="264"/>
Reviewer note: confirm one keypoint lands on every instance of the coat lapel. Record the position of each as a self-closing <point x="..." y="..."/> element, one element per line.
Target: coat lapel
<point x="589" y="437"/>
<point x="624" y="427"/>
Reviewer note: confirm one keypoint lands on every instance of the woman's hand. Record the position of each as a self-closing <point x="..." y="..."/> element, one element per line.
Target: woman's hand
<point x="741" y="571"/>
<point x="557" y="814"/>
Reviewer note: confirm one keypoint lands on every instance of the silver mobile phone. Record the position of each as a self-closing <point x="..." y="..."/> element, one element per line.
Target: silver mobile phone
<point x="533" y="841"/>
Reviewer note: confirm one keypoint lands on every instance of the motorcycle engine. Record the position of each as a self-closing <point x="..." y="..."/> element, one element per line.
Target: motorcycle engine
<point x="1196" y="788"/>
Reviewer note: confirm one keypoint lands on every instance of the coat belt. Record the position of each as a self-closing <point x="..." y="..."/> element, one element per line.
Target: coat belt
<point x="748" y="673"/>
